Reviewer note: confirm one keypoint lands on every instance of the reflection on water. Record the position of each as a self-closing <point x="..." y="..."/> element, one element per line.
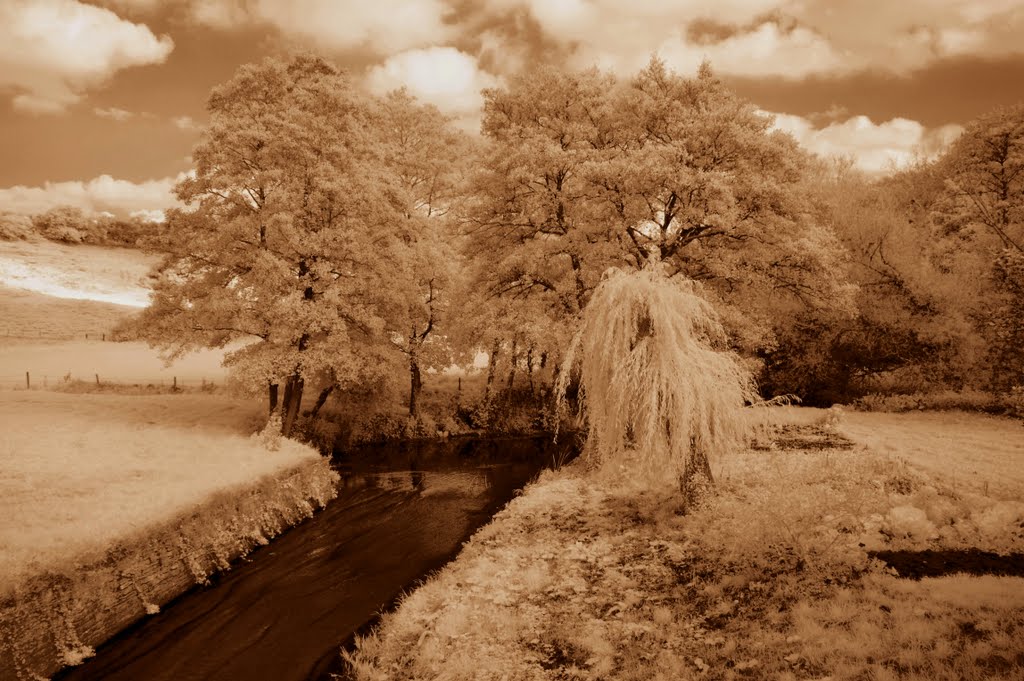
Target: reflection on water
<point x="402" y="511"/>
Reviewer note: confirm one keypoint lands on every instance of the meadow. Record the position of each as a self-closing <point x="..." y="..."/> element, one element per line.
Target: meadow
<point x="588" y="577"/>
<point x="81" y="472"/>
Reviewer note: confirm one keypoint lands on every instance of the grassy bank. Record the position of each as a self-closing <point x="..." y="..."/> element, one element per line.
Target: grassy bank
<point x="80" y="472"/>
<point x="584" y="577"/>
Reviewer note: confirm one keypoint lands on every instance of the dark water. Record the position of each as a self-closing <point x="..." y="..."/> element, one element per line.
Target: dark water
<point x="402" y="511"/>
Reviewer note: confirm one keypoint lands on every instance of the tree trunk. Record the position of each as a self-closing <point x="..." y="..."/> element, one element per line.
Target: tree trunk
<point x="512" y="371"/>
<point x="529" y="367"/>
<point x="415" y="385"/>
<point x="321" y="400"/>
<point x="492" y="367"/>
<point x="272" y="395"/>
<point x="292" y="402"/>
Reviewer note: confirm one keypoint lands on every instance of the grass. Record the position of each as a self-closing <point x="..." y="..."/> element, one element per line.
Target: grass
<point x="110" y="275"/>
<point x="27" y="314"/>
<point x="586" y="577"/>
<point x="133" y="362"/>
<point x="82" y="471"/>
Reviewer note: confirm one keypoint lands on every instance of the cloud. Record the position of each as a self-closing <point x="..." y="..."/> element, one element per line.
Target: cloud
<point x="51" y="51"/>
<point x="103" y="193"/>
<point x="875" y="147"/>
<point x="449" y="79"/>
<point x="149" y="215"/>
<point x="185" y="123"/>
<point x="765" y="50"/>
<point x="113" y="113"/>
<point x="792" y="39"/>
<point x="385" y="26"/>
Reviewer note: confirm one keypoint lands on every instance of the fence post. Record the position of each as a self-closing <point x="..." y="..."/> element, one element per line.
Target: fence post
<point x="28" y="382"/>
<point x="175" y="382"/>
<point x="97" y="379"/>
<point x="104" y="336"/>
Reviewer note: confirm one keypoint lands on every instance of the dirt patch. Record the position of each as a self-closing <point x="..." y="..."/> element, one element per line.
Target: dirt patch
<point x="918" y="564"/>
<point x="800" y="437"/>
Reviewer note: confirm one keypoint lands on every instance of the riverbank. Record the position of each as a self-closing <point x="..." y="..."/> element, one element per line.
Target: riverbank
<point x="111" y="506"/>
<point x="582" y="577"/>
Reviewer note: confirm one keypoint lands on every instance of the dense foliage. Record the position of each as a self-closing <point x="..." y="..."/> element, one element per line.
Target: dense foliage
<point x="339" y="239"/>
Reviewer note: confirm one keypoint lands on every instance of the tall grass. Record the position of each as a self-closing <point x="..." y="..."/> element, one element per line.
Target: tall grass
<point x="659" y="391"/>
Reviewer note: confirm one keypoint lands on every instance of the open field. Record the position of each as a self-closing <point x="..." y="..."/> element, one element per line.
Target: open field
<point x="30" y="315"/>
<point x="81" y="471"/>
<point x="969" y="451"/>
<point x="586" y="576"/>
<point x="129" y="362"/>
<point x="109" y="275"/>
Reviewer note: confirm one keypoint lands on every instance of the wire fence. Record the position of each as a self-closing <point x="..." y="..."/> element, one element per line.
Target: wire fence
<point x="39" y="381"/>
<point x="26" y="334"/>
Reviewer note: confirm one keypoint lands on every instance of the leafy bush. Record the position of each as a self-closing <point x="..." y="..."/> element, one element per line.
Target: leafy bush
<point x="14" y="227"/>
<point x="942" y="400"/>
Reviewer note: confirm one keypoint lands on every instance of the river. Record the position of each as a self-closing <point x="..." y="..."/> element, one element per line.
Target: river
<point x="402" y="511"/>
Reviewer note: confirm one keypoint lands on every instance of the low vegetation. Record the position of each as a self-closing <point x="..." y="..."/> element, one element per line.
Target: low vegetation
<point x="585" y="577"/>
<point x="82" y="471"/>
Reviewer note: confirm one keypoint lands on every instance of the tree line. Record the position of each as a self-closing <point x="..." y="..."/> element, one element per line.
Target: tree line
<point x="357" y="241"/>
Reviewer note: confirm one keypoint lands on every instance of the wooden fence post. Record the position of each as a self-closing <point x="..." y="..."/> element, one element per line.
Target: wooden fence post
<point x="28" y="382"/>
<point x="175" y="382"/>
<point x="97" y="379"/>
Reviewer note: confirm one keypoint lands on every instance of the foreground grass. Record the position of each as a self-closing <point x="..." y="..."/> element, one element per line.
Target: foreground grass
<point x="78" y="472"/>
<point x="584" y="577"/>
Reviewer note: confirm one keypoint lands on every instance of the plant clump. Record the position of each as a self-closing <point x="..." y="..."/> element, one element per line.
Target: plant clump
<point x="657" y="385"/>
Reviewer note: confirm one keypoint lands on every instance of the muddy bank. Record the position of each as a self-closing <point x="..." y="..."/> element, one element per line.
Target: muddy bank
<point x="57" y="618"/>
<point x="938" y="563"/>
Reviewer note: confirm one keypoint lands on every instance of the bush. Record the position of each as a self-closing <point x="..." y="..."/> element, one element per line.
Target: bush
<point x="940" y="400"/>
<point x="14" y="227"/>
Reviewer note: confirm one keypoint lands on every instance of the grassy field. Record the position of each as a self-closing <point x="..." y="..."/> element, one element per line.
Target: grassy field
<point x="81" y="471"/>
<point x="29" y="315"/>
<point x="129" y="362"/>
<point x="585" y="576"/>
<point x="109" y="275"/>
<point x="966" y="451"/>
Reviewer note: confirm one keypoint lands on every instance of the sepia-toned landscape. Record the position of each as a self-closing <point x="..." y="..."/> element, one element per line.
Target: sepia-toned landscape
<point x="511" y="339"/>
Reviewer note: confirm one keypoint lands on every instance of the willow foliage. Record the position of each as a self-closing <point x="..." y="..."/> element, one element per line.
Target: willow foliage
<point x="653" y="386"/>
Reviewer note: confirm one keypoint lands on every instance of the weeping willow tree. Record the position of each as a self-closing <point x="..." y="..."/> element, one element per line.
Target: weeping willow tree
<point x="656" y="393"/>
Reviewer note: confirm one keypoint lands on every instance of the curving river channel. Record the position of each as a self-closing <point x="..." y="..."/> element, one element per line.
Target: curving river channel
<point x="402" y="511"/>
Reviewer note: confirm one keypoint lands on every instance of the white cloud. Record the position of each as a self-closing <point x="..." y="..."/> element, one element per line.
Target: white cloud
<point x="113" y="113"/>
<point x="103" y="193"/>
<point x="387" y="26"/>
<point x="766" y="50"/>
<point x="789" y="38"/>
<point x="443" y="76"/>
<point x="185" y="123"/>
<point x="875" y="147"/>
<point x="53" y="50"/>
<point x="149" y="215"/>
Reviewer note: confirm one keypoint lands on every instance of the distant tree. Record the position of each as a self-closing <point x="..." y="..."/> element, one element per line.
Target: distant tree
<point x="63" y="223"/>
<point x="294" y="227"/>
<point x="15" y="227"/>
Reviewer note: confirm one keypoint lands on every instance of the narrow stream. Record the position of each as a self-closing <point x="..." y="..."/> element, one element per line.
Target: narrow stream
<point x="402" y="511"/>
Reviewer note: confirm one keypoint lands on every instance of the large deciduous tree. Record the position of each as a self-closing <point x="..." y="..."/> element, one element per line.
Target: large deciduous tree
<point x="586" y="172"/>
<point x="295" y="220"/>
<point x="429" y="158"/>
<point x="980" y="214"/>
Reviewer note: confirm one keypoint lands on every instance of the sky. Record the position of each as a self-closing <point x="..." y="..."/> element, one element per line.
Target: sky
<point x="101" y="101"/>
